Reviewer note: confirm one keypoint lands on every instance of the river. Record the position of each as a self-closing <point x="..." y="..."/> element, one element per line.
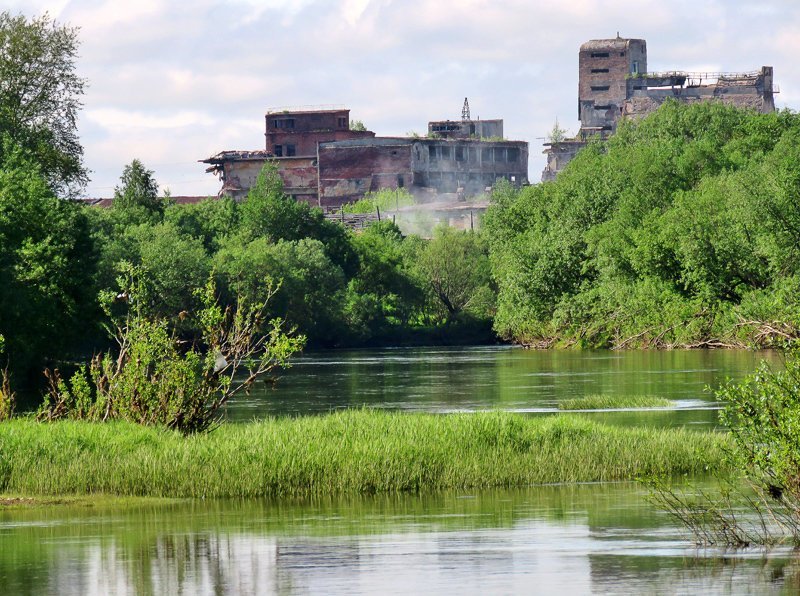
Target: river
<point x="595" y="538"/>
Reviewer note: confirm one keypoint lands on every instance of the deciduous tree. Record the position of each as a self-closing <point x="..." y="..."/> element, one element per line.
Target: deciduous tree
<point x="40" y="96"/>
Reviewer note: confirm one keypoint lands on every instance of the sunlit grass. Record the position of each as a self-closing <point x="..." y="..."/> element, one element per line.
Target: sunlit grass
<point x="612" y="402"/>
<point x="348" y="452"/>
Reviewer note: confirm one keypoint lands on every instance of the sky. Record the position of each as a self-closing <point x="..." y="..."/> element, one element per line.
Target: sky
<point x="173" y="82"/>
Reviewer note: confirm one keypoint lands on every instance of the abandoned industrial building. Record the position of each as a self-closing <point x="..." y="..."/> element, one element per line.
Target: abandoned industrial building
<point x="325" y="163"/>
<point x="614" y="83"/>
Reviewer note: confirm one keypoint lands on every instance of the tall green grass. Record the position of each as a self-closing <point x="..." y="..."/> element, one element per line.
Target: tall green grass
<point x="353" y="451"/>
<point x="611" y="402"/>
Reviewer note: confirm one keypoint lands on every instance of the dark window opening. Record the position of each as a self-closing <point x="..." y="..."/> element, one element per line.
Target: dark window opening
<point x="600" y="87"/>
<point x="432" y="153"/>
<point x="343" y="122"/>
<point x="602" y="108"/>
<point x="499" y="154"/>
<point x="447" y="153"/>
<point x="622" y="53"/>
<point x="486" y="155"/>
<point x="460" y="153"/>
<point x="278" y="150"/>
<point x="290" y="151"/>
<point x="599" y="54"/>
<point x="472" y="129"/>
<point x="512" y="154"/>
<point x="283" y="123"/>
<point x="400" y="182"/>
<point x="607" y="127"/>
<point x="445" y="127"/>
<point x="599" y="70"/>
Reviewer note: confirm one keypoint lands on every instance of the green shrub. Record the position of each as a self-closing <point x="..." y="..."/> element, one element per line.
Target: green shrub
<point x="152" y="381"/>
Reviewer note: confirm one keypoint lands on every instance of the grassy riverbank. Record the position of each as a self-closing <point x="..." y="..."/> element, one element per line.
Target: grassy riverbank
<point x="355" y="451"/>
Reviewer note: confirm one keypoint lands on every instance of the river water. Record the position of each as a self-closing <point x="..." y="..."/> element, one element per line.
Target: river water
<point x="482" y="378"/>
<point x="584" y="539"/>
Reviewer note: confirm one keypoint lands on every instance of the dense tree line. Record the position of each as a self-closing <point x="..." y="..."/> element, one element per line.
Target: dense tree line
<point x="682" y="230"/>
<point x="333" y="286"/>
<point x="337" y="287"/>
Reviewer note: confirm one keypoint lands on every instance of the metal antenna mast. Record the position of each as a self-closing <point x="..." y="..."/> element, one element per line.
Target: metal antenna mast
<point x="465" y="111"/>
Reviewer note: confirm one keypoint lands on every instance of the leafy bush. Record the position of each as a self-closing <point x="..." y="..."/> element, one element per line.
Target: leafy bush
<point x="150" y="380"/>
<point x="385" y="200"/>
<point x="760" y="502"/>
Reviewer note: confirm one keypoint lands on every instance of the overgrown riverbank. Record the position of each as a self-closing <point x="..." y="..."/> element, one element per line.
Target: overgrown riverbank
<point x="348" y="452"/>
<point x="680" y="231"/>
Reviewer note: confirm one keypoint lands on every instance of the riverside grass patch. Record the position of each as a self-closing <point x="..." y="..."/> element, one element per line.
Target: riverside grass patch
<point x="614" y="402"/>
<point x="363" y="451"/>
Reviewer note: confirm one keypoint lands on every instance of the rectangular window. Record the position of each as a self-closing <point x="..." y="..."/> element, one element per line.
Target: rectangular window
<point x="447" y="153"/>
<point x="486" y="155"/>
<point x="602" y="108"/>
<point x="290" y="152"/>
<point x="599" y="70"/>
<point x="342" y="122"/>
<point x="400" y="182"/>
<point x="599" y="54"/>
<point x="513" y="154"/>
<point x="499" y="154"/>
<point x="278" y="150"/>
<point x="432" y="153"/>
<point x="600" y="87"/>
<point x="283" y="123"/>
<point x="635" y="67"/>
<point x="460" y="153"/>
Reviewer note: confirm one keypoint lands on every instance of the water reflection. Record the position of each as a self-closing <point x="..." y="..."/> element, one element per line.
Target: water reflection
<point x="479" y="378"/>
<point x="576" y="539"/>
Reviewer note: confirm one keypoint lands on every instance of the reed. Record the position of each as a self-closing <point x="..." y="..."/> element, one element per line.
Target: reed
<point x="349" y="452"/>
<point x="613" y="402"/>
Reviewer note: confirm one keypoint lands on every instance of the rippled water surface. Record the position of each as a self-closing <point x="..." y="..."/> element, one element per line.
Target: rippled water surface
<point x="469" y="379"/>
<point x="544" y="540"/>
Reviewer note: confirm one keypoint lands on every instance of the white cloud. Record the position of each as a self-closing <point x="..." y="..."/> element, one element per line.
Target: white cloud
<point x="120" y="120"/>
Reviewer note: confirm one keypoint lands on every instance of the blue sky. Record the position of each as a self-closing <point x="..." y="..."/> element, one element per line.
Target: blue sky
<point x="173" y="82"/>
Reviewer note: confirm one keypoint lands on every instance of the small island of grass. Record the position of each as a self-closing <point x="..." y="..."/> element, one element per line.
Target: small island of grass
<point x="614" y="402"/>
<point x="348" y="452"/>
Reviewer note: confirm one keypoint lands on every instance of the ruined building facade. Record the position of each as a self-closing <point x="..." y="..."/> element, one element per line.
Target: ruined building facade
<point x="291" y="134"/>
<point x="324" y="163"/>
<point x="614" y="83"/>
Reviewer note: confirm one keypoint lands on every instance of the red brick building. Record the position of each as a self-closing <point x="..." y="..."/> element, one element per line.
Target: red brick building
<point x="323" y="162"/>
<point x="292" y="133"/>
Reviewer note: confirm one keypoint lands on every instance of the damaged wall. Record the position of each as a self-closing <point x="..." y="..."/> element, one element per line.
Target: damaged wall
<point x="295" y="133"/>
<point x="349" y="169"/>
